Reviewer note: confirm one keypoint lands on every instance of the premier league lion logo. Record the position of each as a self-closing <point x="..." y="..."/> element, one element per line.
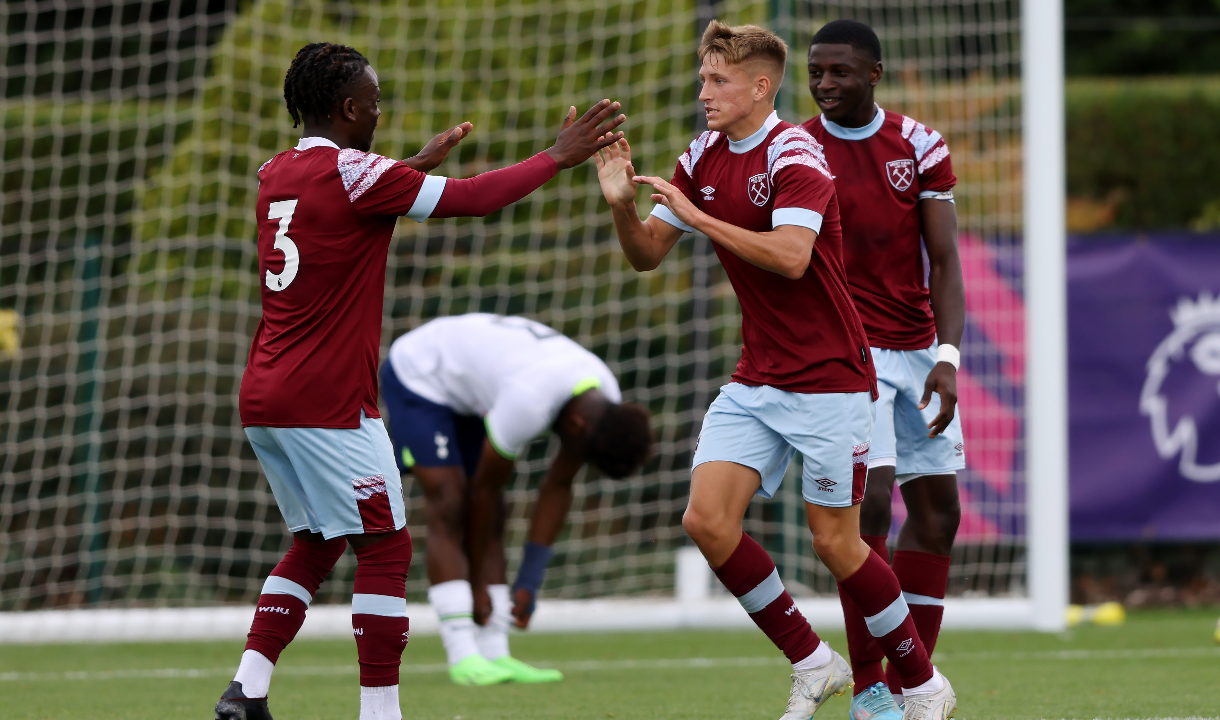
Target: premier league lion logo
<point x="1183" y="384"/>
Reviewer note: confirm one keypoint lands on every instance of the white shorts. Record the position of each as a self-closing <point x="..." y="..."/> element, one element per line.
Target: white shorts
<point x="333" y="481"/>
<point x="900" y="434"/>
<point x="763" y="427"/>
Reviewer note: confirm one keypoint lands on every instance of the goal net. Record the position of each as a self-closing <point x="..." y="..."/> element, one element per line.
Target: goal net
<point x="128" y="291"/>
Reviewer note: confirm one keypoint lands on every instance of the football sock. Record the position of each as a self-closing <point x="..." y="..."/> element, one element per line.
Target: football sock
<point x="380" y="703"/>
<point x="492" y="638"/>
<point x="281" y="609"/>
<point x="933" y="684"/>
<point x="751" y="576"/>
<point x="254" y="674"/>
<point x="379" y="608"/>
<point x="924" y="578"/>
<point x="874" y="588"/>
<point x="454" y="605"/>
<point x="820" y="657"/>
<point x="866" y="655"/>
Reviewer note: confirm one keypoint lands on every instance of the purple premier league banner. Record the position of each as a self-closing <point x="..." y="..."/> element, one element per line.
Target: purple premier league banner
<point x="1144" y="387"/>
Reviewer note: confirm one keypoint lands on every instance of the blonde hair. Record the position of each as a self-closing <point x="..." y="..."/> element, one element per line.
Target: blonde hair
<point x="744" y="43"/>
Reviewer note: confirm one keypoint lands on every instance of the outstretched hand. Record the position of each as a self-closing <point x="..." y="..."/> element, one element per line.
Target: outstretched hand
<point x="615" y="172"/>
<point x="580" y="138"/>
<point x="672" y="198"/>
<point x="437" y="149"/>
<point x="943" y="381"/>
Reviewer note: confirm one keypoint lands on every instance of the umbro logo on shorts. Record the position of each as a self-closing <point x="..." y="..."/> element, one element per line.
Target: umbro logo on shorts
<point x="904" y="647"/>
<point x="960" y="448"/>
<point x="826" y="484"/>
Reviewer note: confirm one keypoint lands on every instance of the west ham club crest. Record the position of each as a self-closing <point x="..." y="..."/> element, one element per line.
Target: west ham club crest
<point x="759" y="189"/>
<point x="901" y="173"/>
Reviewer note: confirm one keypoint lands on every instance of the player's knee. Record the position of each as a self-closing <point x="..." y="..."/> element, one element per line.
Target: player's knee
<point x="935" y="530"/>
<point x="389" y="556"/>
<point x="830" y="547"/>
<point x="446" y="507"/>
<point x="706" y="528"/>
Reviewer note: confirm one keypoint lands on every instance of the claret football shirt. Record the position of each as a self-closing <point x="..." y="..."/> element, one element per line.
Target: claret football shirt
<point x="881" y="172"/>
<point x="325" y="219"/>
<point x="799" y="335"/>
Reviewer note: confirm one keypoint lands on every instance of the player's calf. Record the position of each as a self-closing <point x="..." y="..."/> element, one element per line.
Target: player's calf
<point x="278" y="617"/>
<point x="379" y="622"/>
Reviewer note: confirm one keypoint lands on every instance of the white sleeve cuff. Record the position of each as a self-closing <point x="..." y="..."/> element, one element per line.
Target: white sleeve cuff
<point x="661" y="212"/>
<point x="429" y="195"/>
<point x="937" y="195"/>
<point x="796" y="216"/>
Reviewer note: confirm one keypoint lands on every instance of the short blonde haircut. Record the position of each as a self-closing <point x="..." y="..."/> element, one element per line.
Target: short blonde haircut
<point x="745" y="43"/>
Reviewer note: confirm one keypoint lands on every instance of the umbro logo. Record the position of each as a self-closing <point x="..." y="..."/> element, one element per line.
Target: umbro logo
<point x="707" y="192"/>
<point x="826" y="484"/>
<point x="960" y="448"/>
<point x="271" y="609"/>
<point x="904" y="647"/>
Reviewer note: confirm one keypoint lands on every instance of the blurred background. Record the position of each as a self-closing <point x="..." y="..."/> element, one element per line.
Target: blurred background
<point x="128" y="293"/>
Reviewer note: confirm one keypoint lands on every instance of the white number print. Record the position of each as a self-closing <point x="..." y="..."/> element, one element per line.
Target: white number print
<point x="283" y="211"/>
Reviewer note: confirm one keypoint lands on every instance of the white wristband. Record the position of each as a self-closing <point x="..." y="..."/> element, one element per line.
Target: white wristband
<point x="949" y="354"/>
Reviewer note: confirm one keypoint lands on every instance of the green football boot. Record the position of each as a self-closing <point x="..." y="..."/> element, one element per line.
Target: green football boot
<point x="477" y="670"/>
<point x="526" y="674"/>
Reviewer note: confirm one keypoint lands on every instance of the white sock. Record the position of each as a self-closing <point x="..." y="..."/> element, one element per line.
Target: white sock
<point x="821" y="655"/>
<point x="935" y="684"/>
<point x="493" y="637"/>
<point x="379" y="703"/>
<point x="254" y="674"/>
<point x="454" y="605"/>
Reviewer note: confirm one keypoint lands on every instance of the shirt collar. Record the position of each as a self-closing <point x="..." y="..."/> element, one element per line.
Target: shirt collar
<point x="748" y="144"/>
<point x="860" y="133"/>
<point x="315" y="141"/>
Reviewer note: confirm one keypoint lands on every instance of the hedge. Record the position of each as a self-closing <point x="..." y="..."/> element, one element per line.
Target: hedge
<point x="1150" y="147"/>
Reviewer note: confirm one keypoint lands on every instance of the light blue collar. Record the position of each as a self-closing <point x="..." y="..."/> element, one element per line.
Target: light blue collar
<point x="746" y="145"/>
<point x="860" y="133"/>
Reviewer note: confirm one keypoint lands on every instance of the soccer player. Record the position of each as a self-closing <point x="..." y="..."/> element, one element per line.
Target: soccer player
<point x="895" y="186"/>
<point x="465" y="395"/>
<point x="760" y="189"/>
<point x="308" y="401"/>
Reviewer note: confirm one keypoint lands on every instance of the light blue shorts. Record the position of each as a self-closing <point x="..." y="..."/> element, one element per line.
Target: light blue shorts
<point x="332" y="481"/>
<point x="762" y="427"/>
<point x="900" y="436"/>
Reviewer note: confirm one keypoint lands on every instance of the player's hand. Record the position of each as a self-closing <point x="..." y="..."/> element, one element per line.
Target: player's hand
<point x="523" y="607"/>
<point x="437" y="149"/>
<point x="672" y="198"/>
<point x="943" y="381"/>
<point x="482" y="604"/>
<point x="615" y="172"/>
<point x="580" y="138"/>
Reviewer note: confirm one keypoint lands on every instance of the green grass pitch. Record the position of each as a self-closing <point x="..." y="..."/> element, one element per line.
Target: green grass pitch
<point x="1157" y="665"/>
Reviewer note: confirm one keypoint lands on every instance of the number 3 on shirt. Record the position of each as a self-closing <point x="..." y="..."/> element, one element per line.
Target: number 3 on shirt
<point x="283" y="211"/>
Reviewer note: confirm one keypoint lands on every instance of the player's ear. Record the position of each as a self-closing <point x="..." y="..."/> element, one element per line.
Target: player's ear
<point x="875" y="76"/>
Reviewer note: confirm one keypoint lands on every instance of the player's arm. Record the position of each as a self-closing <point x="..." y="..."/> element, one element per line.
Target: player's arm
<point x="550" y="513"/>
<point x="938" y="223"/>
<point x="486" y="497"/>
<point x="647" y="242"/>
<point x="786" y="250"/>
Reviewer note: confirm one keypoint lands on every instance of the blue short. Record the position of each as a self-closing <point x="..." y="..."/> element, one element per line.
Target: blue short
<point x="332" y="481"/>
<point x="900" y="436"/>
<point x="763" y="427"/>
<point x="429" y="434"/>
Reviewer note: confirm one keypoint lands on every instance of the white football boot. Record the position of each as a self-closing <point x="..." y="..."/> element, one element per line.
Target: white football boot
<point x="811" y="688"/>
<point x="939" y="705"/>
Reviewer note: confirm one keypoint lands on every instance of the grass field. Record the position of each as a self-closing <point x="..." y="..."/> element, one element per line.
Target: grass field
<point x="1158" y="665"/>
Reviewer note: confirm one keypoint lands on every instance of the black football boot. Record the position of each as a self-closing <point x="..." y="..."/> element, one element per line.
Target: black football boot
<point x="234" y="705"/>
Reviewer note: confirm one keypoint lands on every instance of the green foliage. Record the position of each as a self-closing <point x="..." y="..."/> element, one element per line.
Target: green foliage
<point x="1141" y="37"/>
<point x="1151" y="147"/>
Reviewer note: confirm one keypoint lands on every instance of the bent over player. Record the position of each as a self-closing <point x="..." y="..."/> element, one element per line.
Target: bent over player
<point x="465" y="395"/>
<point x="760" y="189"/>
<point x="895" y="186"/>
<point x="308" y="401"/>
